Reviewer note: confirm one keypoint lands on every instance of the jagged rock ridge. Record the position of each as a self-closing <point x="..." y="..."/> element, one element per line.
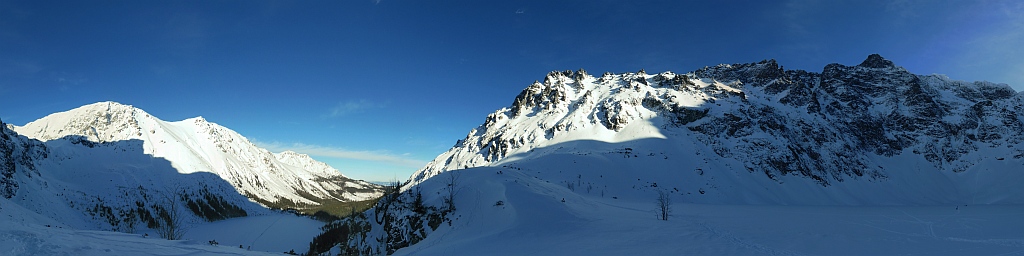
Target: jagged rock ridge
<point x="829" y="127"/>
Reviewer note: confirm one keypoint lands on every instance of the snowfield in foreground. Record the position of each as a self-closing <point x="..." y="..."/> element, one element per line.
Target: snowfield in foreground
<point x="533" y="220"/>
<point x="853" y="160"/>
<point x="28" y="233"/>
<point x="856" y="160"/>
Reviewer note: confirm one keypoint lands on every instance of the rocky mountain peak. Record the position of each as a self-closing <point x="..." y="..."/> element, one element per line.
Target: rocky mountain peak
<point x="829" y="126"/>
<point x="758" y="73"/>
<point x="876" y="61"/>
<point x="308" y="163"/>
<point x="106" y="107"/>
<point x="99" y="122"/>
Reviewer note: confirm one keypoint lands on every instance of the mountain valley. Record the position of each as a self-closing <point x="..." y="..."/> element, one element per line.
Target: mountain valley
<point x="732" y="159"/>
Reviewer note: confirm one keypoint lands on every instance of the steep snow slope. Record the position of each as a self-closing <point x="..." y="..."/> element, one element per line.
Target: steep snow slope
<point x="65" y="195"/>
<point x="195" y="145"/>
<point x="758" y="160"/>
<point x="109" y="186"/>
<point x="756" y="133"/>
<point x="112" y="167"/>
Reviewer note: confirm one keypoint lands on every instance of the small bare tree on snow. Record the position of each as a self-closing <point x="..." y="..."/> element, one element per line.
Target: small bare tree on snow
<point x="392" y="190"/>
<point x="130" y="220"/>
<point x="664" y="204"/>
<point x="173" y="226"/>
<point x="452" y="188"/>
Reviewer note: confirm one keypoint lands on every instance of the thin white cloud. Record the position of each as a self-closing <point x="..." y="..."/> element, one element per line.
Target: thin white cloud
<point x="187" y="26"/>
<point x="994" y="53"/>
<point x="340" y="153"/>
<point x="1015" y="37"/>
<point x="905" y="9"/>
<point x="797" y="14"/>
<point x="67" y="78"/>
<point x="1016" y="79"/>
<point x="20" y="67"/>
<point x="352" y="107"/>
<point x="187" y="31"/>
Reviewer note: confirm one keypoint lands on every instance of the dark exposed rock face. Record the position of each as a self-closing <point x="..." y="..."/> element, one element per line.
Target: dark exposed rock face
<point x="17" y="154"/>
<point x="828" y="126"/>
<point x="854" y="111"/>
<point x="876" y="61"/>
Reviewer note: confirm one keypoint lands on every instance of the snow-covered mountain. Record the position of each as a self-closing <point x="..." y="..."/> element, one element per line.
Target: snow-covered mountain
<point x="188" y="147"/>
<point x="757" y="133"/>
<point x="577" y="165"/>
<point x="66" y="195"/>
<point x="77" y="183"/>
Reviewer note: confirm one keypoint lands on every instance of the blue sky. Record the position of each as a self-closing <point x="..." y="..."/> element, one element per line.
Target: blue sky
<point x="378" y="88"/>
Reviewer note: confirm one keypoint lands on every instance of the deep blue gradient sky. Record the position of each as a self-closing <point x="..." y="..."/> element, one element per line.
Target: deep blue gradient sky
<point x="378" y="88"/>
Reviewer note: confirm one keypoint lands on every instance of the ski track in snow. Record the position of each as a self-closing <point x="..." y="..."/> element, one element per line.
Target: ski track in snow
<point x="760" y="248"/>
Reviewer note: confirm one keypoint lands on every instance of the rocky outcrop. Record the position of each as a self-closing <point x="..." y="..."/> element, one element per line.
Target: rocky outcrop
<point x="17" y="155"/>
<point x="827" y="126"/>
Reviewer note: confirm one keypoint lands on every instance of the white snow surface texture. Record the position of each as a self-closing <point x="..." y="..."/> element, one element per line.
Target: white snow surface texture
<point x="871" y="134"/>
<point x="72" y="180"/>
<point x="196" y="145"/>
<point x="757" y="160"/>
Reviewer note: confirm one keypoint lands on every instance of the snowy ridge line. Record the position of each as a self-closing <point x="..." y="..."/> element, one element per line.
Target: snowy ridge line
<point x="757" y="125"/>
<point x="110" y="167"/>
<point x="196" y="145"/>
<point x="755" y="160"/>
